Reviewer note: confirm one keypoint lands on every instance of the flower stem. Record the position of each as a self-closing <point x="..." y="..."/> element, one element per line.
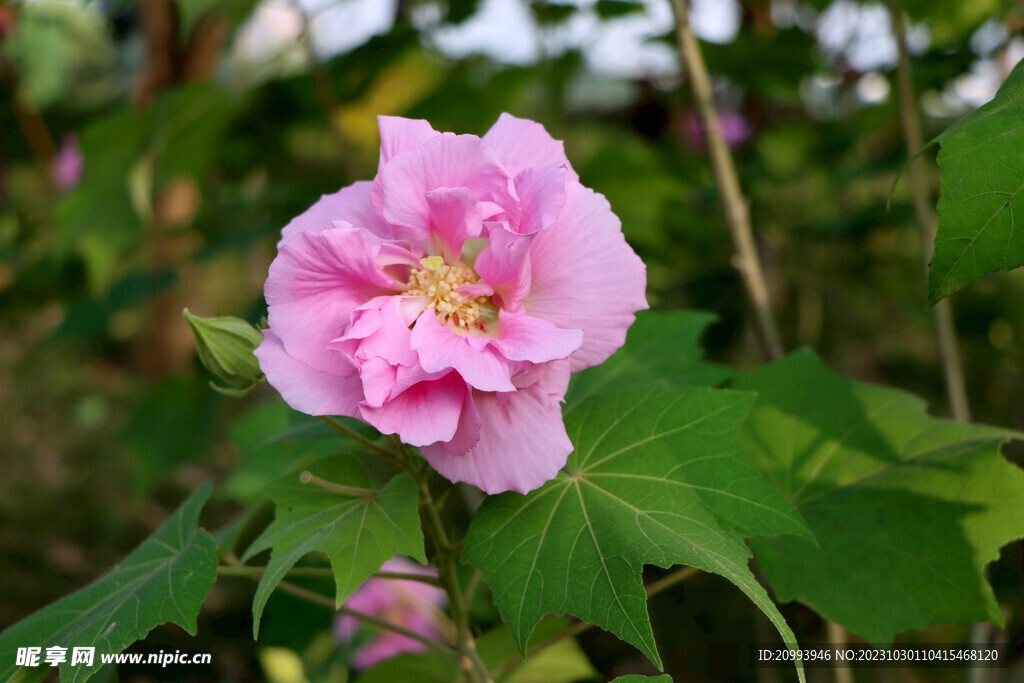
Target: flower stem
<point x="737" y="211"/>
<point x="445" y="554"/>
<point x="324" y="601"/>
<point x="355" y="436"/>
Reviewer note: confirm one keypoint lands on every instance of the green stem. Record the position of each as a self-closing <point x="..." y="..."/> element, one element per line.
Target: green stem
<point x="445" y="554"/>
<point x="403" y="576"/>
<point x="256" y="572"/>
<point x="308" y="477"/>
<point x="324" y="601"/>
<point x="321" y="573"/>
<point x="355" y="436"/>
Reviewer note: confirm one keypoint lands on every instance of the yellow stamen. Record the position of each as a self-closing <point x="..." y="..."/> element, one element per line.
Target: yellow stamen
<point x="439" y="282"/>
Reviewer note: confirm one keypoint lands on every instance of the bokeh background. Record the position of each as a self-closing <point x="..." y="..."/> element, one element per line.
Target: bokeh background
<point x="150" y="152"/>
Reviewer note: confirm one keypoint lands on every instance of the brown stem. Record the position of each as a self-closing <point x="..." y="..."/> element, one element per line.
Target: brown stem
<point x="910" y="122"/>
<point x="737" y="210"/>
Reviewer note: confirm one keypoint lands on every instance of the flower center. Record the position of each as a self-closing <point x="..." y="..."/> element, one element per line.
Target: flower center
<point x="439" y="282"/>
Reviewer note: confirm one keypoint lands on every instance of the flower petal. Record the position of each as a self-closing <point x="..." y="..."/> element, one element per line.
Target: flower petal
<point x="379" y="329"/>
<point x="446" y="160"/>
<point x="439" y="349"/>
<point x="504" y="264"/>
<point x="454" y="218"/>
<point x="422" y="414"/>
<point x="305" y="389"/>
<point x="584" y="276"/>
<point x="524" y="143"/>
<point x="522" y="440"/>
<point x="350" y="204"/>
<point x="541" y="193"/>
<point x="525" y="338"/>
<point x="315" y="283"/>
<point x="398" y="134"/>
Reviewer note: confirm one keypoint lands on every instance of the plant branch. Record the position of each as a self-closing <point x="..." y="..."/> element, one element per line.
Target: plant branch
<point x="324" y="601"/>
<point x="445" y="553"/>
<point x="321" y="573"/>
<point x="579" y="627"/>
<point x="256" y="572"/>
<point x="737" y="210"/>
<point x="355" y="436"/>
<point x="405" y="576"/>
<point x="910" y="122"/>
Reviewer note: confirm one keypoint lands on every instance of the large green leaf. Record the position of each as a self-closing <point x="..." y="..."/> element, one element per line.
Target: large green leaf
<point x="638" y="678"/>
<point x="357" y="533"/>
<point x="660" y="346"/>
<point x="658" y="477"/>
<point x="166" y="579"/>
<point x="982" y="160"/>
<point x="907" y="508"/>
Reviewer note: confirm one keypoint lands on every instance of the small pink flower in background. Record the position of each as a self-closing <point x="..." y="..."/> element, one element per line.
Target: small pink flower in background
<point x="66" y="166"/>
<point x="448" y="300"/>
<point x="735" y="129"/>
<point x="411" y="604"/>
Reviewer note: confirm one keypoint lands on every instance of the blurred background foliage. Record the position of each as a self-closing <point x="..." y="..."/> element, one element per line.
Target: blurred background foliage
<point x="151" y="151"/>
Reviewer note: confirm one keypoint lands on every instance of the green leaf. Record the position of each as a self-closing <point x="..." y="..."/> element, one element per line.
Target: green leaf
<point x="658" y="477"/>
<point x="982" y="160"/>
<point x="426" y="667"/>
<point x="357" y="533"/>
<point x="660" y="346"/>
<point x="637" y="678"/>
<point x="560" y="662"/>
<point x="908" y="509"/>
<point x="166" y="579"/>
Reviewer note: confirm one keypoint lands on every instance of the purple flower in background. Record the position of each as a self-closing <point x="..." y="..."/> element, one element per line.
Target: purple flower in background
<point x="735" y="129"/>
<point x="66" y="166"/>
<point x="411" y="604"/>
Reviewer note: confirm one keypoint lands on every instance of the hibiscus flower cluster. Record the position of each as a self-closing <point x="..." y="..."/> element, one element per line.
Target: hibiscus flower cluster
<point x="448" y="300"/>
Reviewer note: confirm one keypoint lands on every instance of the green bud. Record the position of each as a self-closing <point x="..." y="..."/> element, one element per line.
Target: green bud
<point x="225" y="347"/>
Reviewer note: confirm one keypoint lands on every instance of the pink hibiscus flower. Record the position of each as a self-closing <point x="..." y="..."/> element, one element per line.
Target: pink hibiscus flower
<point x="411" y="604"/>
<point x="447" y="300"/>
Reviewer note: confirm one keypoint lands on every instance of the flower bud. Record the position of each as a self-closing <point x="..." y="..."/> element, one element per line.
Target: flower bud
<point x="225" y="347"/>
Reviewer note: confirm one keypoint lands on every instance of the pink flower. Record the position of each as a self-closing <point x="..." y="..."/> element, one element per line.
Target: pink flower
<point x="411" y="604"/>
<point x="735" y="129"/>
<point x="447" y="300"/>
<point x="66" y="166"/>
